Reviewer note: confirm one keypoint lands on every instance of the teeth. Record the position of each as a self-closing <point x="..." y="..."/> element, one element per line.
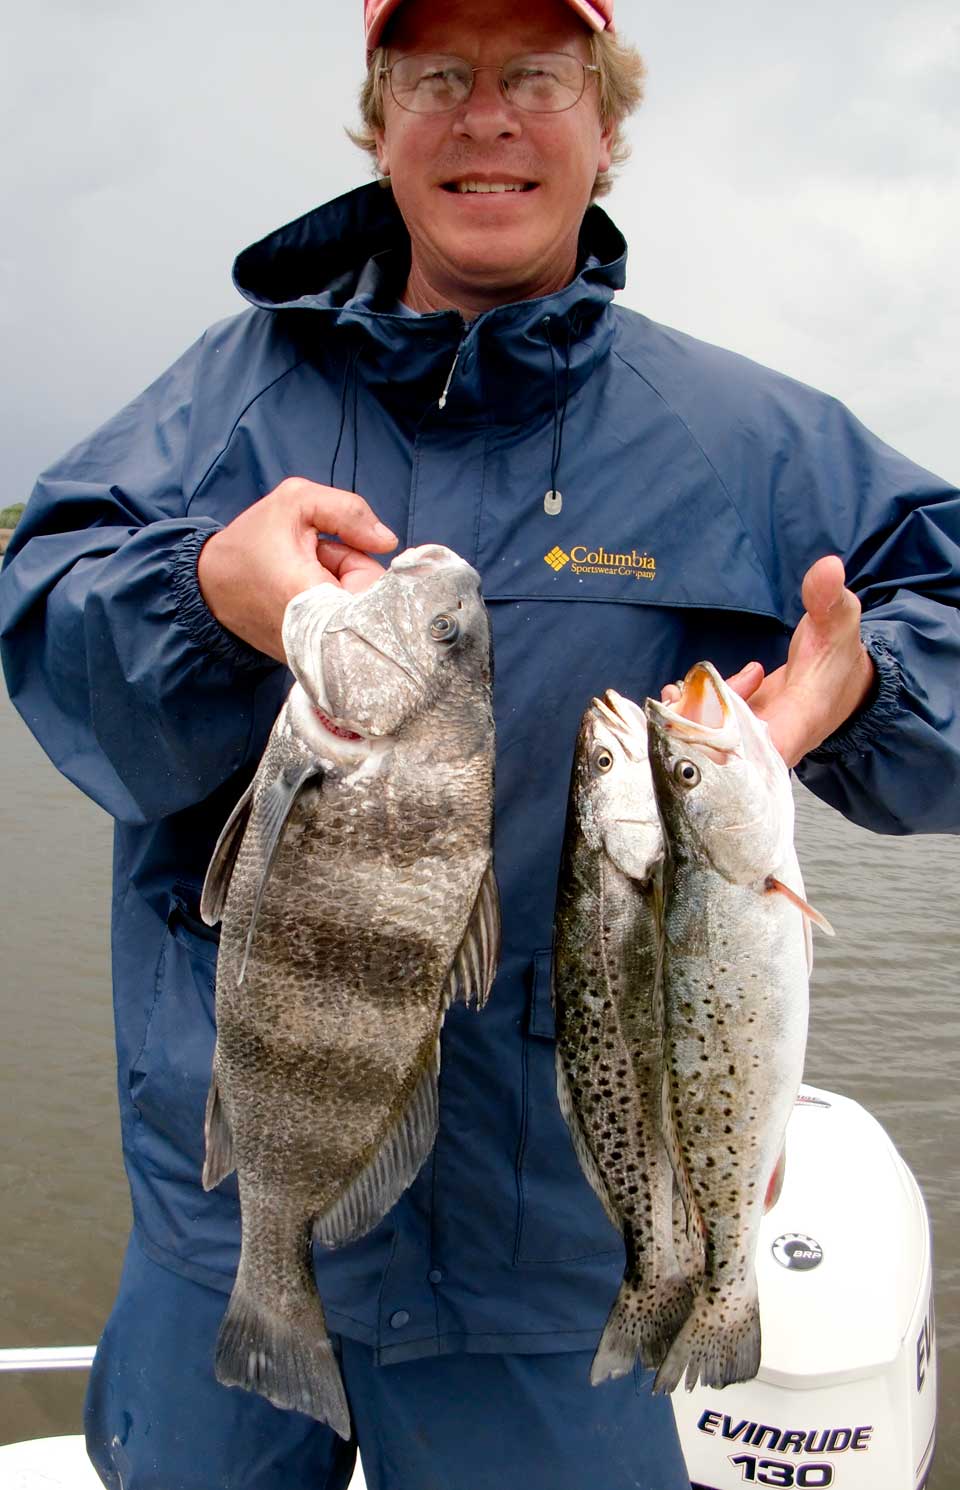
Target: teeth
<point x="464" y="186"/>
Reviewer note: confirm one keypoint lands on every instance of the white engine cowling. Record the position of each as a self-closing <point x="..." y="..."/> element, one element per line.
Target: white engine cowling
<point x="847" y="1389"/>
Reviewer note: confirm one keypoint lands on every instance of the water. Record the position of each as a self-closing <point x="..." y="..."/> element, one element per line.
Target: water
<point x="884" y="1025"/>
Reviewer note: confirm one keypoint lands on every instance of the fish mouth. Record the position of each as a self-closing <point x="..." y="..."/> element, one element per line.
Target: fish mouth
<point x="626" y="721"/>
<point x="427" y="556"/>
<point x="703" y="715"/>
<point x="333" y="728"/>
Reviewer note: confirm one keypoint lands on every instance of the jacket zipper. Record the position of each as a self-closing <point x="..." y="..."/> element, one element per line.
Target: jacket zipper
<point x="446" y="387"/>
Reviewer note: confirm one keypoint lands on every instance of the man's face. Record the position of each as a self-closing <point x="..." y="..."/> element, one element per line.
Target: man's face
<point x="472" y="248"/>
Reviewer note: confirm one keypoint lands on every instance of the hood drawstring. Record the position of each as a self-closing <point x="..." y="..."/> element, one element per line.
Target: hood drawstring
<point x="553" y="499"/>
<point x="349" y="378"/>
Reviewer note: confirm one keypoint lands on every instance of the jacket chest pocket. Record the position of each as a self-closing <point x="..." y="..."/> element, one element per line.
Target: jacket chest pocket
<point x="559" y="1218"/>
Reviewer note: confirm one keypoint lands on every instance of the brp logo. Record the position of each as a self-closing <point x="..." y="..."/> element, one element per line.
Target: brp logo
<point x="797" y="1252"/>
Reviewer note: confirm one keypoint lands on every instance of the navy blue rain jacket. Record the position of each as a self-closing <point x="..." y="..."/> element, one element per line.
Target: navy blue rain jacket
<point x="697" y="489"/>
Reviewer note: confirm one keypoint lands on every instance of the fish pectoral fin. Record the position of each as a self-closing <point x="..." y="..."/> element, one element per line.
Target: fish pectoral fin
<point x="218" y="1140"/>
<point x="268" y="819"/>
<point x="773" y="886"/>
<point x="581" y="1147"/>
<point x="220" y="868"/>
<point x="475" y="964"/>
<point x="394" y="1167"/>
<point x="694" y="1230"/>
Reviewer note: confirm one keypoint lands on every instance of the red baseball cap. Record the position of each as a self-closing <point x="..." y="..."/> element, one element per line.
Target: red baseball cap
<point x="376" y="14"/>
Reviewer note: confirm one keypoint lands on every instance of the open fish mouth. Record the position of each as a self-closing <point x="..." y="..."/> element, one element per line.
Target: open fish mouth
<point x="703" y="715"/>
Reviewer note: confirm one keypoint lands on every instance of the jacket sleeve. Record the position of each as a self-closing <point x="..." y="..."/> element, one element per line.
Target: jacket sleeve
<point x="128" y="682"/>
<point x="895" y="766"/>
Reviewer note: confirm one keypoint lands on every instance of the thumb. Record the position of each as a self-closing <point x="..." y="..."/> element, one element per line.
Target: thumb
<point x="823" y="590"/>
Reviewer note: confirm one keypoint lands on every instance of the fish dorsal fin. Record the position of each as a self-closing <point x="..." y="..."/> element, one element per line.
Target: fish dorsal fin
<point x="773" y="886"/>
<point x="475" y="964"/>
<point x="267" y="821"/>
<point x="220" y="869"/>
<point x="393" y="1168"/>
<point x="218" y="1159"/>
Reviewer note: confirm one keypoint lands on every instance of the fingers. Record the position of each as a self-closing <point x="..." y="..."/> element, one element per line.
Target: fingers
<point x="327" y="509"/>
<point x="747" y="680"/>
<point x="352" y="570"/>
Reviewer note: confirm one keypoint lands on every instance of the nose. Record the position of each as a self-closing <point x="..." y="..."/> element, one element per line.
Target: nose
<point x="487" y="114"/>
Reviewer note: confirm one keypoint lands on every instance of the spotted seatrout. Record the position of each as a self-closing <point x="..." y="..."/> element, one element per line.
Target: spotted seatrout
<point x="609" y="1026"/>
<point x="734" y="975"/>
<point x="355" y="885"/>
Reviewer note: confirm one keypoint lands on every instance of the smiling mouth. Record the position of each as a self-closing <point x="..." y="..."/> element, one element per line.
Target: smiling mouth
<point x="487" y="188"/>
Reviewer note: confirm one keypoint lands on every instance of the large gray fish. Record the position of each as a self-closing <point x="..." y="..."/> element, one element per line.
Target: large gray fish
<point x="355" y="885"/>
<point x="609" y="1071"/>
<point x="734" y="974"/>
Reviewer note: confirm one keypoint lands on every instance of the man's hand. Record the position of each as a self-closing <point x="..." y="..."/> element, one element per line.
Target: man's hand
<point x="250" y="569"/>
<point x="828" y="673"/>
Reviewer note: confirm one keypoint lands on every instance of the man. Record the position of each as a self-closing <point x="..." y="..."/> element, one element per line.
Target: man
<point x="634" y="501"/>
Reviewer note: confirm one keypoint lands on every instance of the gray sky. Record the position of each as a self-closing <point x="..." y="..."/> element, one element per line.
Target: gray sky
<point x="794" y="191"/>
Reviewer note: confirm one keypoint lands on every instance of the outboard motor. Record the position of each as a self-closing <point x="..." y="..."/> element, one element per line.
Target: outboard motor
<point x="846" y="1394"/>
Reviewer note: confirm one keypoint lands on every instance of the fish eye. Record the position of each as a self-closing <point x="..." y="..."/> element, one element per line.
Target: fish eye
<point x="686" y="773"/>
<point x="603" y="760"/>
<point x="444" y="628"/>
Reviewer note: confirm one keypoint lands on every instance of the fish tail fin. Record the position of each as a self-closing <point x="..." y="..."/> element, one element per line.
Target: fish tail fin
<point x="293" y="1367"/>
<point x="719" y="1344"/>
<point x="644" y="1319"/>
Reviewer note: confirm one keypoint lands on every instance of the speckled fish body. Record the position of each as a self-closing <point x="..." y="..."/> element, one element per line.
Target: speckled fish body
<point x="609" y="1033"/>
<point x="357" y="898"/>
<point x="734" y="977"/>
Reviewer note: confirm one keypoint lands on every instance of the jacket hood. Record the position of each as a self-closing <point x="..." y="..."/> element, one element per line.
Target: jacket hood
<point x="355" y="252"/>
<point x="348" y="262"/>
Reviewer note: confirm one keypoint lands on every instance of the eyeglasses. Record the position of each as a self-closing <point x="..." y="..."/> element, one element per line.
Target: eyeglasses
<point x="540" y="83"/>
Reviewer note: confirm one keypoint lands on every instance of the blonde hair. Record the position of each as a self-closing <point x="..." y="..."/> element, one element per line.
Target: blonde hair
<point x="620" y="80"/>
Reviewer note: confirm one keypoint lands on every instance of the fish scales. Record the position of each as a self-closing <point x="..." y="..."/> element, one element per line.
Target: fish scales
<point x="362" y="873"/>
<point x="609" y="1025"/>
<point x="734" y="979"/>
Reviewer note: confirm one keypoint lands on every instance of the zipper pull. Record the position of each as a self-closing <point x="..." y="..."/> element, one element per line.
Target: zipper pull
<point x="446" y="387"/>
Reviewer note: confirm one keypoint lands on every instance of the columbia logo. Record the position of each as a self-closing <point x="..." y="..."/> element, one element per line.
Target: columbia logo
<point x="556" y="558"/>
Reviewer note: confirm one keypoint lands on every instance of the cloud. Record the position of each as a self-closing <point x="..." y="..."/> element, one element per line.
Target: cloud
<point x="794" y="196"/>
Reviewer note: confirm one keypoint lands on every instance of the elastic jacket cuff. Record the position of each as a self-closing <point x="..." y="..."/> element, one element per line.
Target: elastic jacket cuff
<point x="859" y="732"/>
<point x="195" y="617"/>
